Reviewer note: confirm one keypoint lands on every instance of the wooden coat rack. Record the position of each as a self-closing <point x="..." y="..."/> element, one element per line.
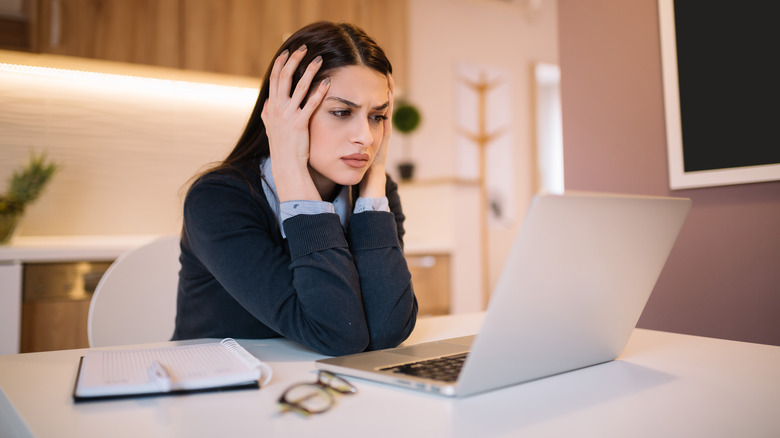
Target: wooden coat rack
<point x="482" y="139"/>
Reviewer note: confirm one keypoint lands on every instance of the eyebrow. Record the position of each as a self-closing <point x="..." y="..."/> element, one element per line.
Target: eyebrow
<point x="354" y="105"/>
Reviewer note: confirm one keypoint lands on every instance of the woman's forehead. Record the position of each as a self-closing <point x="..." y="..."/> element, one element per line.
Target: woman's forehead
<point x="358" y="84"/>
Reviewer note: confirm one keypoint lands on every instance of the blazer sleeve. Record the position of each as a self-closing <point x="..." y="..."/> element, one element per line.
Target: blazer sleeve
<point x="375" y="239"/>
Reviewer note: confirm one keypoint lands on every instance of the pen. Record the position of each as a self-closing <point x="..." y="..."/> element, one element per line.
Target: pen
<point x="159" y="374"/>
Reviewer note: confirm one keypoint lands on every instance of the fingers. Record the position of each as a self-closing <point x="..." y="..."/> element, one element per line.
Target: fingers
<point x="302" y="89"/>
<point x="281" y="77"/>
<point x="390" y="99"/>
<point x="287" y="71"/>
<point x="315" y="99"/>
<point x="264" y="113"/>
<point x="273" y="79"/>
<point x="391" y="83"/>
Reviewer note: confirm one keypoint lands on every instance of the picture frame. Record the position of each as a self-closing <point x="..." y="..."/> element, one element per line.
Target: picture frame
<point x="716" y="135"/>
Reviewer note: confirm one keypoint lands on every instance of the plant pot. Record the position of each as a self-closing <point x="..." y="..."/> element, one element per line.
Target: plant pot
<point x="8" y="223"/>
<point x="406" y="170"/>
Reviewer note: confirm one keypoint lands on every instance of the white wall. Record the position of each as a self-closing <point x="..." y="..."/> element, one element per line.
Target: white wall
<point x="126" y="146"/>
<point x="510" y="35"/>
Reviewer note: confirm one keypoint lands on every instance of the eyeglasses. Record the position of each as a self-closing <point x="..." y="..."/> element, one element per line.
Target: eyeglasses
<point x="315" y="398"/>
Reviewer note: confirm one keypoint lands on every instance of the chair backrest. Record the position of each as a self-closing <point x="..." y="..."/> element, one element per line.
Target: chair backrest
<point x="135" y="300"/>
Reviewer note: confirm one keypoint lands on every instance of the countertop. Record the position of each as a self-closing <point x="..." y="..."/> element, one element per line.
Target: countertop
<point x="24" y="249"/>
<point x="52" y="249"/>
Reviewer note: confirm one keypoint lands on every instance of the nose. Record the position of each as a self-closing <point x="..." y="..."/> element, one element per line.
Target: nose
<point x="362" y="133"/>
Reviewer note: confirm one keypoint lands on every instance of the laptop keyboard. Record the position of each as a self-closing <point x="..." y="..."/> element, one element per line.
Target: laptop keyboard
<point x="445" y="369"/>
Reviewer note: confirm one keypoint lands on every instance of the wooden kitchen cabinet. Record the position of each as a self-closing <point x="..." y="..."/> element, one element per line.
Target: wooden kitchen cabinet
<point x="134" y="31"/>
<point x="234" y="37"/>
<point x="431" y="281"/>
<point x="225" y="36"/>
<point x="54" y="325"/>
<point x="55" y="304"/>
<point x="242" y="36"/>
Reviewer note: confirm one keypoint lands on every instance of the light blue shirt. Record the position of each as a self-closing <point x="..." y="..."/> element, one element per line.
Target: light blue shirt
<point x="340" y="205"/>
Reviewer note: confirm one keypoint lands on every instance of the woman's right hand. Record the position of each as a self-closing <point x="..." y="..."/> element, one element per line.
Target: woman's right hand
<point x="287" y="125"/>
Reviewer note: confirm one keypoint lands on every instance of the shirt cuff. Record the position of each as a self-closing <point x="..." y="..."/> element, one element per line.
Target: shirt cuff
<point x="372" y="204"/>
<point x="289" y="209"/>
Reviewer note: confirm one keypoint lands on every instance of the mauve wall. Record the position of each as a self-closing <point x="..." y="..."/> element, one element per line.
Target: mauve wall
<point x="723" y="276"/>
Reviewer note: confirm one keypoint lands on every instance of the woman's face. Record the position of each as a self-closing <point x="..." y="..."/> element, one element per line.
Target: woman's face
<point x="345" y="131"/>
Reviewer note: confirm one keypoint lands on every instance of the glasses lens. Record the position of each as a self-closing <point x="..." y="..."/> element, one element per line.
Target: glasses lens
<point x="309" y="398"/>
<point x="336" y="383"/>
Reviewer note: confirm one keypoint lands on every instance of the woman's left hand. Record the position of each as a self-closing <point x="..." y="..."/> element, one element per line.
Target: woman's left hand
<point x="373" y="183"/>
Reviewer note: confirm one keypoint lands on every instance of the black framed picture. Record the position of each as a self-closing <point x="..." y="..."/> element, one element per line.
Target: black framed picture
<point x="721" y="91"/>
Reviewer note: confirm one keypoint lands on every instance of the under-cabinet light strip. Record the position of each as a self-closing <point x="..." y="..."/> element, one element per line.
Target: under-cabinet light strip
<point x="221" y="92"/>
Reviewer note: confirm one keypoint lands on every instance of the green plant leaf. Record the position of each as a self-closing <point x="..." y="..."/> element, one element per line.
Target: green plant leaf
<point x="27" y="183"/>
<point x="406" y="118"/>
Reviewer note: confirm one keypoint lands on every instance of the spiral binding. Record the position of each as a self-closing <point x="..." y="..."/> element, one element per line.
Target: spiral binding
<point x="234" y="347"/>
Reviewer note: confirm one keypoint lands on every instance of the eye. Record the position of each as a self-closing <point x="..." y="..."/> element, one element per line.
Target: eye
<point x="341" y="113"/>
<point x="379" y="118"/>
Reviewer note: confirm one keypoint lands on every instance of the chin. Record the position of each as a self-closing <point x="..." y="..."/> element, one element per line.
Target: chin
<point x="349" y="178"/>
<point x="349" y="181"/>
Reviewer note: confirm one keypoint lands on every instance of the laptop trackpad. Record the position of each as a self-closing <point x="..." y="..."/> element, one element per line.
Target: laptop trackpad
<point x="437" y="348"/>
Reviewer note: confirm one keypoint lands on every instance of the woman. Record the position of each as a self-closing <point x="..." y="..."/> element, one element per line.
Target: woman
<point x="298" y="233"/>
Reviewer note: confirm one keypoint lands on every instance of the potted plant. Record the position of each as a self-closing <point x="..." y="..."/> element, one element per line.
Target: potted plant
<point x="406" y="119"/>
<point x="24" y="187"/>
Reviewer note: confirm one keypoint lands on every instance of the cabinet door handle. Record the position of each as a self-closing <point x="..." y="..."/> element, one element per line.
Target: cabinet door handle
<point x="55" y="24"/>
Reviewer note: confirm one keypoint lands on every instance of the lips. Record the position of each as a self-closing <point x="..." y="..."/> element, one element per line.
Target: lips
<point x="355" y="160"/>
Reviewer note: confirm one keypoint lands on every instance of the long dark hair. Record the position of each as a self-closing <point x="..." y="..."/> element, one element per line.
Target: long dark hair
<point x="340" y="45"/>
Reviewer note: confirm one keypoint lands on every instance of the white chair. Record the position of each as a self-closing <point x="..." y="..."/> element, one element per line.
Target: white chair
<point x="135" y="300"/>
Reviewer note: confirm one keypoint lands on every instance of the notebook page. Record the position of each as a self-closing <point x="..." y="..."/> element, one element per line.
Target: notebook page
<point x="106" y="372"/>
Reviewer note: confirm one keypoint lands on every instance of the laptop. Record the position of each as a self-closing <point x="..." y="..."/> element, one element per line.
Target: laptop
<point x="576" y="280"/>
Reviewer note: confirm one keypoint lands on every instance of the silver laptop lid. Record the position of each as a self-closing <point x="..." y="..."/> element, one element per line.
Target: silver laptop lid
<point x="573" y="287"/>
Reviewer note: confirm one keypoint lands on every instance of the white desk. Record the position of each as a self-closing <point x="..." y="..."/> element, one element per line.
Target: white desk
<point x="664" y="385"/>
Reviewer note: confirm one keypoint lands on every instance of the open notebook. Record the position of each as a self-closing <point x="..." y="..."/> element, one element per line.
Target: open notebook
<point x="571" y="292"/>
<point x="112" y="373"/>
